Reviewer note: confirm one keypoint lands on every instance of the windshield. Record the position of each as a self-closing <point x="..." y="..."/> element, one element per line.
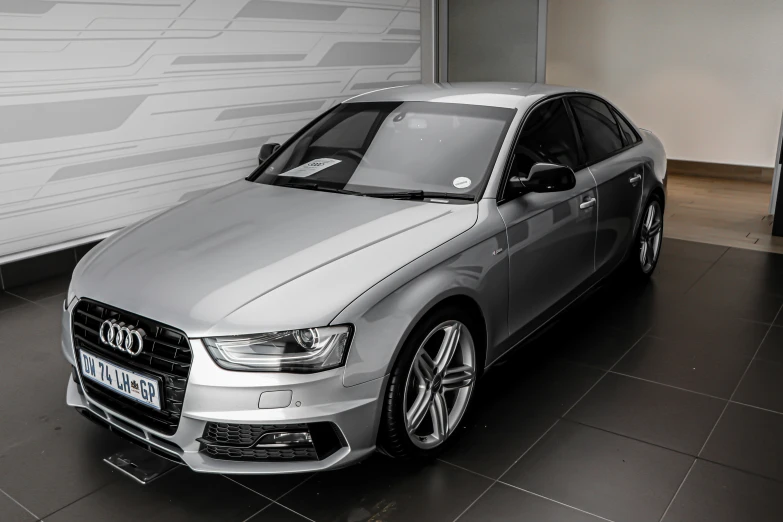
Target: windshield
<point x="393" y="149"/>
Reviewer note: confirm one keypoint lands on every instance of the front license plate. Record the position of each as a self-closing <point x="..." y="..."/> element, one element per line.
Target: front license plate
<point x="125" y="382"/>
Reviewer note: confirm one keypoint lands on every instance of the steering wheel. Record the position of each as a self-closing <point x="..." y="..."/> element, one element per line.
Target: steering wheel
<point x="352" y="153"/>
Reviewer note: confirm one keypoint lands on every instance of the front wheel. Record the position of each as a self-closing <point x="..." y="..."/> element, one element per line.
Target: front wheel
<point x="430" y="386"/>
<point x="647" y="246"/>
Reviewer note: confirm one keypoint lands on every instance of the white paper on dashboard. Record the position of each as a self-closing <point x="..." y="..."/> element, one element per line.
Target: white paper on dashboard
<point x="311" y="167"/>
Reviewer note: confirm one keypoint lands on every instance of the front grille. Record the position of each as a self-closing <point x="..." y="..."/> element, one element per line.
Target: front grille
<point x="238" y="441"/>
<point x="166" y="354"/>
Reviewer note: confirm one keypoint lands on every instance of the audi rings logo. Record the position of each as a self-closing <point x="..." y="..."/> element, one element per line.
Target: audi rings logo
<point x="125" y="338"/>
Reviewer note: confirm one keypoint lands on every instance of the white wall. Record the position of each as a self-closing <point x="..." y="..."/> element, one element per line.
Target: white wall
<point x="111" y="111"/>
<point x="492" y="40"/>
<point x="705" y="75"/>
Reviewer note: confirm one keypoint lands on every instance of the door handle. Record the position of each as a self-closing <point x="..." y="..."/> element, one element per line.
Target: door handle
<point x="587" y="203"/>
<point x="635" y="179"/>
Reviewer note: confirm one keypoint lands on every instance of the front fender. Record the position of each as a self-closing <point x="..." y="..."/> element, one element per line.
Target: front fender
<point x="473" y="264"/>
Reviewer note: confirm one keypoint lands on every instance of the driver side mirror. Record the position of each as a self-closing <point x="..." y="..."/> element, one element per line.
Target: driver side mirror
<point x="266" y="151"/>
<point x="544" y="177"/>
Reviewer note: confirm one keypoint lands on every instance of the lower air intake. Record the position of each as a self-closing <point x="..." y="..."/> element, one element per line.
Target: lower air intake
<point x="259" y="442"/>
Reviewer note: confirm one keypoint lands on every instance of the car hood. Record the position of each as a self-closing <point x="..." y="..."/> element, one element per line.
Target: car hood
<point x="249" y="257"/>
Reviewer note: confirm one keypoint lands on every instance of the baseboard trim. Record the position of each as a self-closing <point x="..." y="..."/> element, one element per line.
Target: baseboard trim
<point x="41" y="264"/>
<point x="65" y="245"/>
<point x="720" y="171"/>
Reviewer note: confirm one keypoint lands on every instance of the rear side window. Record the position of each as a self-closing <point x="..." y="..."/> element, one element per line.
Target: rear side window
<point x="547" y="137"/>
<point x="600" y="134"/>
<point x="629" y="134"/>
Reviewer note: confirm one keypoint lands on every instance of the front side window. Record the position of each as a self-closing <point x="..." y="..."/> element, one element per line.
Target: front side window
<point x="382" y="148"/>
<point x="600" y="133"/>
<point x="547" y="137"/>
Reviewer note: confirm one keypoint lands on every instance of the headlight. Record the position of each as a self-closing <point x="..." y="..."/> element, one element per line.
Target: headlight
<point x="306" y="350"/>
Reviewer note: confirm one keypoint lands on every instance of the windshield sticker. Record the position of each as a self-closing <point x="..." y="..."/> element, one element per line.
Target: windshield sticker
<point x="311" y="167"/>
<point x="461" y="183"/>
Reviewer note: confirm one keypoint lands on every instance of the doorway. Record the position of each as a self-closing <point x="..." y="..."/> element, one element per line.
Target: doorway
<point x="484" y="40"/>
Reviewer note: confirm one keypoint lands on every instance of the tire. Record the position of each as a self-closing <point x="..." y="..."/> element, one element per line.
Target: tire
<point x="422" y="377"/>
<point x="646" y="248"/>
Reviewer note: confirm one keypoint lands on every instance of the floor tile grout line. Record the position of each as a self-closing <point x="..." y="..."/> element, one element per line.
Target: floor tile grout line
<point x="747" y="472"/>
<point x="258" y="512"/>
<point x="606" y="372"/>
<point x="18" y="504"/>
<point x="298" y="484"/>
<point x="271" y="500"/>
<point x="756" y="407"/>
<point x="556" y="501"/>
<point x="495" y="481"/>
<point x="69" y="504"/>
<point x="747" y="368"/>
<point x="474" y="502"/>
<point x="498" y="481"/>
<point x="739" y="383"/>
<point x="621" y="374"/>
<point x="709" y="436"/>
<point x="771" y="326"/>
<point x="294" y="512"/>
<point x="17" y="297"/>
<point x="668" y="385"/>
<point x="24" y="299"/>
<point x="706" y="271"/>
<point x="722" y="413"/>
<point x="247" y="488"/>
<point x="528" y="449"/>
<point x="466" y="469"/>
<point x="579" y="423"/>
<point x="682" y="483"/>
<point x="645" y="334"/>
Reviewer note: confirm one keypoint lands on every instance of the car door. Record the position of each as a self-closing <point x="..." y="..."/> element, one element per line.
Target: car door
<point x="619" y="175"/>
<point x="551" y="236"/>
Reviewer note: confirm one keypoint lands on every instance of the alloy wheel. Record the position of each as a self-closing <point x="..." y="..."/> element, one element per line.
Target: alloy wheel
<point x="439" y="384"/>
<point x="650" y="237"/>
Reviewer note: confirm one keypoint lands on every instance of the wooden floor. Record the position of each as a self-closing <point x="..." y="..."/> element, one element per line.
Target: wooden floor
<point x="720" y="211"/>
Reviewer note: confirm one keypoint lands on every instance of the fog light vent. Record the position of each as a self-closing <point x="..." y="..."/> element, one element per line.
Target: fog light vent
<point x="285" y="439"/>
<point x="271" y="442"/>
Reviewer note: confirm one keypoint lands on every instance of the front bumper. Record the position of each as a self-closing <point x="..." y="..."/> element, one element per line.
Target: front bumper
<point x="217" y="395"/>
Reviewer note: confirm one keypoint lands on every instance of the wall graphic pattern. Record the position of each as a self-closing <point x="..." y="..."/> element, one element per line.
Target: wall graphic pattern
<point x="111" y="110"/>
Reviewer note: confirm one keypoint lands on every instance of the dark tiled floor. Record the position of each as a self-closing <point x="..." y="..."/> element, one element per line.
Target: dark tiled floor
<point x="661" y="402"/>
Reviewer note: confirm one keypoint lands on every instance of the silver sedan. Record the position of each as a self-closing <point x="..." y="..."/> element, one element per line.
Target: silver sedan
<point x="347" y="295"/>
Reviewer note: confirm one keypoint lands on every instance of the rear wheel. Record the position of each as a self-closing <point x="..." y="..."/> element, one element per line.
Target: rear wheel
<point x="430" y="386"/>
<point x="647" y="248"/>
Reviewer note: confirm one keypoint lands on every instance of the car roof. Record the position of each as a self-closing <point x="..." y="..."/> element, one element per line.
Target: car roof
<point x="493" y="94"/>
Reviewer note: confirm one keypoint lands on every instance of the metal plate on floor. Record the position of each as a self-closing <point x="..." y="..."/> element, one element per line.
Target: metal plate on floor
<point x="140" y="465"/>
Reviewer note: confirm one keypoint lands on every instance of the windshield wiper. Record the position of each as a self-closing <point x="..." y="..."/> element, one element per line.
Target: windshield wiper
<point x="310" y="185"/>
<point x="418" y="194"/>
<point x="410" y="194"/>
